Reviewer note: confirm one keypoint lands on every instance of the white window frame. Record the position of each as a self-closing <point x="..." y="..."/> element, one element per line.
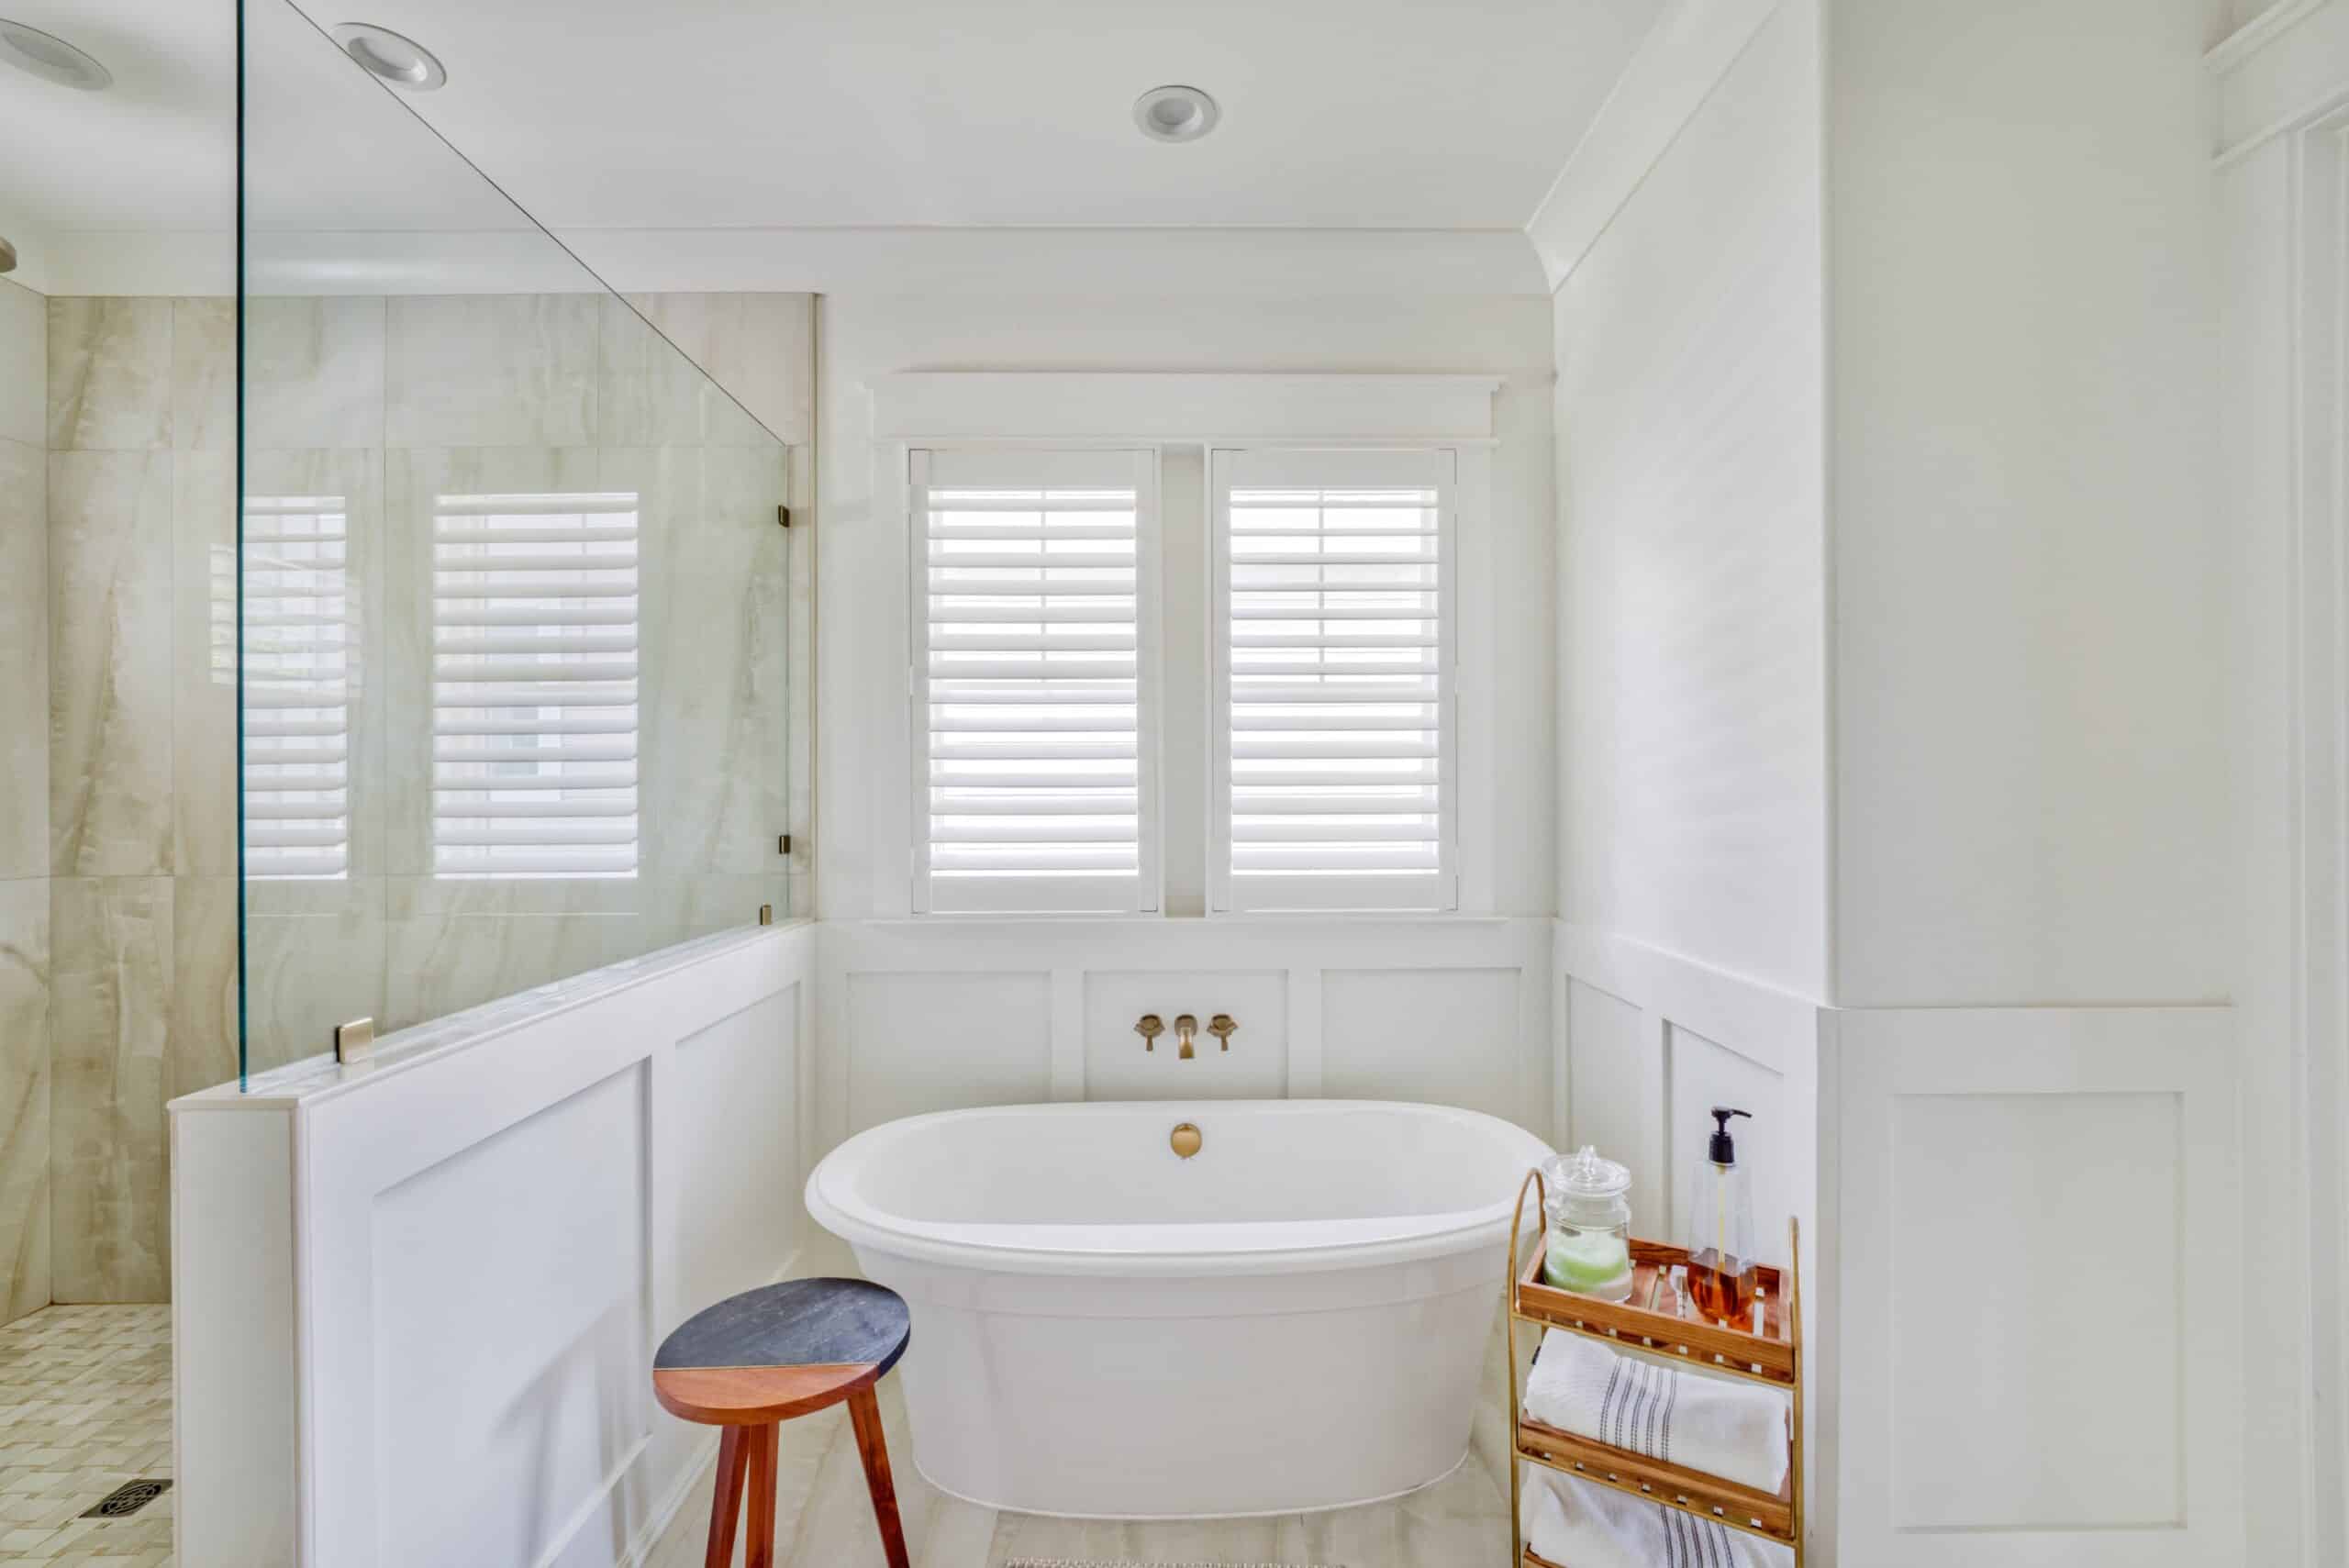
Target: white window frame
<point x="1307" y="892"/>
<point x="1041" y="894"/>
<point x="1196" y="412"/>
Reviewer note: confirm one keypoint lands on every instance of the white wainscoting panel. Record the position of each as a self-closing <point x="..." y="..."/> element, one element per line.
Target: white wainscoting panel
<point x="1117" y="1068"/>
<point x="924" y="1014"/>
<point x="2042" y="1288"/>
<point x="1648" y="1042"/>
<point x="472" y="1246"/>
<point x="1446" y="1035"/>
<point x="935" y="1042"/>
<point x="1612" y="1064"/>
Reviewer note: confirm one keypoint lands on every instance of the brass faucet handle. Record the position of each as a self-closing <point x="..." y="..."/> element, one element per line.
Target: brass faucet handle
<point x="1149" y="1026"/>
<point x="1224" y="1028"/>
<point x="1186" y="1026"/>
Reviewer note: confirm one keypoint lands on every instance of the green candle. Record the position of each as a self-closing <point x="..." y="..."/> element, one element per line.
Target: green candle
<point x="1586" y="1261"/>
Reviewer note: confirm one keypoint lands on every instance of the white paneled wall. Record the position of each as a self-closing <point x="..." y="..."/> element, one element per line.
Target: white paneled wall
<point x="928" y="1015"/>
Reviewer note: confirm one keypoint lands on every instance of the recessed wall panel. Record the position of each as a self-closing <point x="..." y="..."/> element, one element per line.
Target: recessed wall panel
<point x="511" y="1330"/>
<point x="1613" y="1094"/>
<point x="1446" y="1036"/>
<point x="1117" y="1067"/>
<point x="2037" y="1245"/>
<point x="737" y="1182"/>
<point x="936" y="1041"/>
<point x="1702" y="1074"/>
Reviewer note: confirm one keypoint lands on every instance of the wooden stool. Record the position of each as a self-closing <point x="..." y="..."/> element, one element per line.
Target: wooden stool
<point x="767" y="1355"/>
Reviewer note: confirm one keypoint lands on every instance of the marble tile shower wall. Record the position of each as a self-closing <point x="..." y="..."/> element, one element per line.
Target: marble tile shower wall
<point x="385" y="404"/>
<point x="24" y="804"/>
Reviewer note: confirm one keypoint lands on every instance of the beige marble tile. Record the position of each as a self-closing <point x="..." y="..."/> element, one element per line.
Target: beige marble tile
<point x="202" y="1049"/>
<point x="315" y="957"/>
<point x="110" y="655"/>
<point x="490" y="370"/>
<point x="112" y="957"/>
<point x="438" y="964"/>
<point x="204" y="375"/>
<point x="1151" y="1540"/>
<point x="109" y="374"/>
<point x="716" y="697"/>
<point x="203" y="682"/>
<point x="24" y="365"/>
<point x="733" y="369"/>
<point x="24" y="661"/>
<point x="314" y="372"/>
<point x="24" y="1096"/>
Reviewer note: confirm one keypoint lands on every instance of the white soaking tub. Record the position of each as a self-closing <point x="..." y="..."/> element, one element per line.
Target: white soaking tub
<point x="1294" y="1318"/>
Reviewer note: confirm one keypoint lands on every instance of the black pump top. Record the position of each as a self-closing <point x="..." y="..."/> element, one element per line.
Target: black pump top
<point x="1722" y="1151"/>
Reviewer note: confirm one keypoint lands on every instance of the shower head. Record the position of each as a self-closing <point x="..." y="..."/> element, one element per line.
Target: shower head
<point x="7" y="257"/>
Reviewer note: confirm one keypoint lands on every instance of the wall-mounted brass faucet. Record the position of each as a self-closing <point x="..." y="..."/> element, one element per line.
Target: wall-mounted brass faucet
<point x="1150" y="1026"/>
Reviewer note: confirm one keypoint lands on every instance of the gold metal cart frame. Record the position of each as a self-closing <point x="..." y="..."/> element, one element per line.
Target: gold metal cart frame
<point x="1773" y="1357"/>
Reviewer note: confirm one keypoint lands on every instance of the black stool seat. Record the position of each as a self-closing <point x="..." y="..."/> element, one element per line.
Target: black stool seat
<point x="769" y="1354"/>
<point x="780" y="1351"/>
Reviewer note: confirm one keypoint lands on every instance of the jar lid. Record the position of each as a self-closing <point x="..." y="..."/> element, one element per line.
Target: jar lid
<point x="1585" y="1173"/>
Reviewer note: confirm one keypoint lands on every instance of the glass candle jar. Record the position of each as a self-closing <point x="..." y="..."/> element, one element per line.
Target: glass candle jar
<point x="1589" y="1225"/>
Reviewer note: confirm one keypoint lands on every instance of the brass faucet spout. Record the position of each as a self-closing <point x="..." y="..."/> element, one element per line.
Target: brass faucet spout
<point x="1186" y="1026"/>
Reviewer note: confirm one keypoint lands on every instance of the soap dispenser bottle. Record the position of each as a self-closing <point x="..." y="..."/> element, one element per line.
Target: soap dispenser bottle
<point x="1721" y="1271"/>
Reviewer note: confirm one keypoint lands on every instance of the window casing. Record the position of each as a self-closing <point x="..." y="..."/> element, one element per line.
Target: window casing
<point x="534" y="686"/>
<point x="1332" y="700"/>
<point x="1033" y="680"/>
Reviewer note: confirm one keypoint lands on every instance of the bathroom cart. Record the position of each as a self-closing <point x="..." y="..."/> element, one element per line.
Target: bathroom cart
<point x="1773" y="1356"/>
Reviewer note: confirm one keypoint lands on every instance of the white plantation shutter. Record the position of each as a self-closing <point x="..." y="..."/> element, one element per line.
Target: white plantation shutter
<point x="1334" y="711"/>
<point x="301" y="676"/>
<point x="534" y="686"/>
<point x="1032" y="707"/>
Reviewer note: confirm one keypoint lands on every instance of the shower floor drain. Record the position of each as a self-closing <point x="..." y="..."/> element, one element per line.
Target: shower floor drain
<point x="127" y="1499"/>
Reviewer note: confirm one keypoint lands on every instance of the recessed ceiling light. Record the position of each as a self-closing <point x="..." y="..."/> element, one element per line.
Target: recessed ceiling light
<point x="1175" y="113"/>
<point x="402" y="62"/>
<point x="29" y="48"/>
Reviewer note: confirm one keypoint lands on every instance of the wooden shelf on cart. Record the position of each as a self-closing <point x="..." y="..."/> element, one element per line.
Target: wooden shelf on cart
<point x="1635" y="1324"/>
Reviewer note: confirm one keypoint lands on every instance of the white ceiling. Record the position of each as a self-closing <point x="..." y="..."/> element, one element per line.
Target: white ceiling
<point x="1408" y="114"/>
<point x="819" y="114"/>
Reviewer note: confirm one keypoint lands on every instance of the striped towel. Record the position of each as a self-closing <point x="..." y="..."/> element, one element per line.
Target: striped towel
<point x="1733" y="1429"/>
<point x="1575" y="1522"/>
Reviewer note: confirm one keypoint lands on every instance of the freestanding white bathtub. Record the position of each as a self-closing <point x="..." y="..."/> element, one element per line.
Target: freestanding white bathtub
<point x="1294" y="1318"/>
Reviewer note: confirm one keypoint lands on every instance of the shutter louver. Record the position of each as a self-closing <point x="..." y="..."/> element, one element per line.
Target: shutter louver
<point x="1333" y="659"/>
<point x="300" y="675"/>
<point x="1030" y="702"/>
<point x="534" y="686"/>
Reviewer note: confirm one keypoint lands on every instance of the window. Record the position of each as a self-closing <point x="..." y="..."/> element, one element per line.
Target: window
<point x="1033" y="703"/>
<point x="534" y="686"/>
<point x="301" y="671"/>
<point x="1332" y="701"/>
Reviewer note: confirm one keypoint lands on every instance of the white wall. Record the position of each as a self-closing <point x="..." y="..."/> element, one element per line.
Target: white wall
<point x="2028" y="800"/>
<point x="1692" y="611"/>
<point x="2281" y="186"/>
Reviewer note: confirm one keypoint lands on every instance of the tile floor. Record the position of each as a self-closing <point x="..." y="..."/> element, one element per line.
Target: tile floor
<point x="86" y="1405"/>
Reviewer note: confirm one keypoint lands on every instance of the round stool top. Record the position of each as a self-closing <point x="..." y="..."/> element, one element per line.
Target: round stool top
<point x="780" y="1351"/>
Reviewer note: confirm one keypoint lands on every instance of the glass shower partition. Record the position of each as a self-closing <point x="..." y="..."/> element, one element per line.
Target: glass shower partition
<point x="505" y="638"/>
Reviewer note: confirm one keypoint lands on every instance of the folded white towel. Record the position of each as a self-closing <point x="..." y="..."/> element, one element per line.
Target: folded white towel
<point x="1734" y="1430"/>
<point x="1577" y="1524"/>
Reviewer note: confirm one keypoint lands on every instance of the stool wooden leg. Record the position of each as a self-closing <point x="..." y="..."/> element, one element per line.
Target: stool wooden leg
<point x="865" y="1412"/>
<point x="759" y="1552"/>
<point x="726" y="1505"/>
